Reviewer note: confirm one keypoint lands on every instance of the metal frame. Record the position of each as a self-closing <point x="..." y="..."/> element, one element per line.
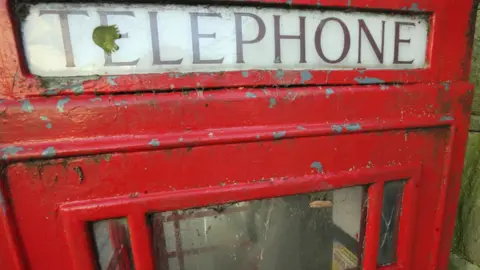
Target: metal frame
<point x="76" y="215"/>
<point x="56" y="191"/>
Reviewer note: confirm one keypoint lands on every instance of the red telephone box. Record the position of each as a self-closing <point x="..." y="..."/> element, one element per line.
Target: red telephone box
<point x="264" y="134"/>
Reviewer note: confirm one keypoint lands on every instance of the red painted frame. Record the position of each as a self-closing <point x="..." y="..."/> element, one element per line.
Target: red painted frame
<point x="76" y="215"/>
<point x="54" y="193"/>
<point x="400" y="109"/>
<point x="449" y="46"/>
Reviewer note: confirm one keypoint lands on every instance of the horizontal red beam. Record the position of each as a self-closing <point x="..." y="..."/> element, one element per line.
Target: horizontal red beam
<point x="168" y="201"/>
<point x="44" y="128"/>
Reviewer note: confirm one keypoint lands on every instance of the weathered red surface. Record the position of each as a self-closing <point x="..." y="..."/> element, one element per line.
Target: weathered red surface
<point x="144" y="152"/>
<point x="448" y="52"/>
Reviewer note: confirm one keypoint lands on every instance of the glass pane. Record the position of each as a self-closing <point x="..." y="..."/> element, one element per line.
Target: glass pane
<point x="112" y="242"/>
<point x="391" y="209"/>
<point x="313" y="231"/>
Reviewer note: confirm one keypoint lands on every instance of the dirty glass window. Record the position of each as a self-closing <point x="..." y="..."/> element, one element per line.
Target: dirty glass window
<point x="112" y="244"/>
<point x="320" y="230"/>
<point x="391" y="209"/>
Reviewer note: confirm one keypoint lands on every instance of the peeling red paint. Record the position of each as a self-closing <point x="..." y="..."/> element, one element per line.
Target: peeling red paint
<point x="83" y="150"/>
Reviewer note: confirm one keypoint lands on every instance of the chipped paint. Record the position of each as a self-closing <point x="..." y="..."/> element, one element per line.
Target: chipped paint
<point x="337" y="128"/>
<point x="154" y="143"/>
<point x="317" y="166"/>
<point x="446" y="118"/>
<point x="210" y="135"/>
<point x="353" y="127"/>
<point x="291" y="96"/>
<point x="384" y="87"/>
<point x="279" y="74"/>
<point x="257" y="137"/>
<point x="329" y="92"/>
<point x="61" y="104"/>
<point x="49" y="124"/>
<point x="446" y="86"/>
<point x="301" y="128"/>
<point x="107" y="157"/>
<point x="78" y="89"/>
<point x="10" y="151"/>
<point x="250" y="95"/>
<point x="414" y="7"/>
<point x="272" y="103"/>
<point x="245" y="74"/>
<point x="96" y="99"/>
<point x="121" y="103"/>
<point x="348" y="127"/>
<point x="368" y="80"/>
<point x="305" y="75"/>
<point x="180" y="139"/>
<point x="49" y="152"/>
<point x="111" y="80"/>
<point x="54" y="85"/>
<point x="279" y="134"/>
<point x="27" y="106"/>
<point x="177" y="75"/>
<point x="50" y="92"/>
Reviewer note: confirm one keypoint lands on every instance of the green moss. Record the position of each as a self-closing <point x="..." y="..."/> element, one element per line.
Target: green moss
<point x="467" y="230"/>
<point x="457" y="263"/>
<point x="475" y="72"/>
<point x="466" y="240"/>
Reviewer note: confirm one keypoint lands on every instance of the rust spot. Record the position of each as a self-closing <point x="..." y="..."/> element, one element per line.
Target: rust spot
<point x="79" y="171"/>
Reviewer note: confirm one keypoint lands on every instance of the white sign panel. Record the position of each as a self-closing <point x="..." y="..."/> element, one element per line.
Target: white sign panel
<point x="59" y="39"/>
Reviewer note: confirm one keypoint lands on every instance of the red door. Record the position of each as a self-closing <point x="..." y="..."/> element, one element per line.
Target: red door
<point x="313" y="168"/>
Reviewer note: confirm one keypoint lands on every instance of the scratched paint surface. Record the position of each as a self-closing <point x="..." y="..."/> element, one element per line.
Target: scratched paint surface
<point x="171" y="170"/>
<point x="93" y="151"/>
<point x="193" y="117"/>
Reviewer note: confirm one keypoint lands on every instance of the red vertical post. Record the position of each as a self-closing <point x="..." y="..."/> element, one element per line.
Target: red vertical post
<point x="80" y="244"/>
<point x="141" y="241"/>
<point x="9" y="243"/>
<point x="407" y="223"/>
<point x="372" y="230"/>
